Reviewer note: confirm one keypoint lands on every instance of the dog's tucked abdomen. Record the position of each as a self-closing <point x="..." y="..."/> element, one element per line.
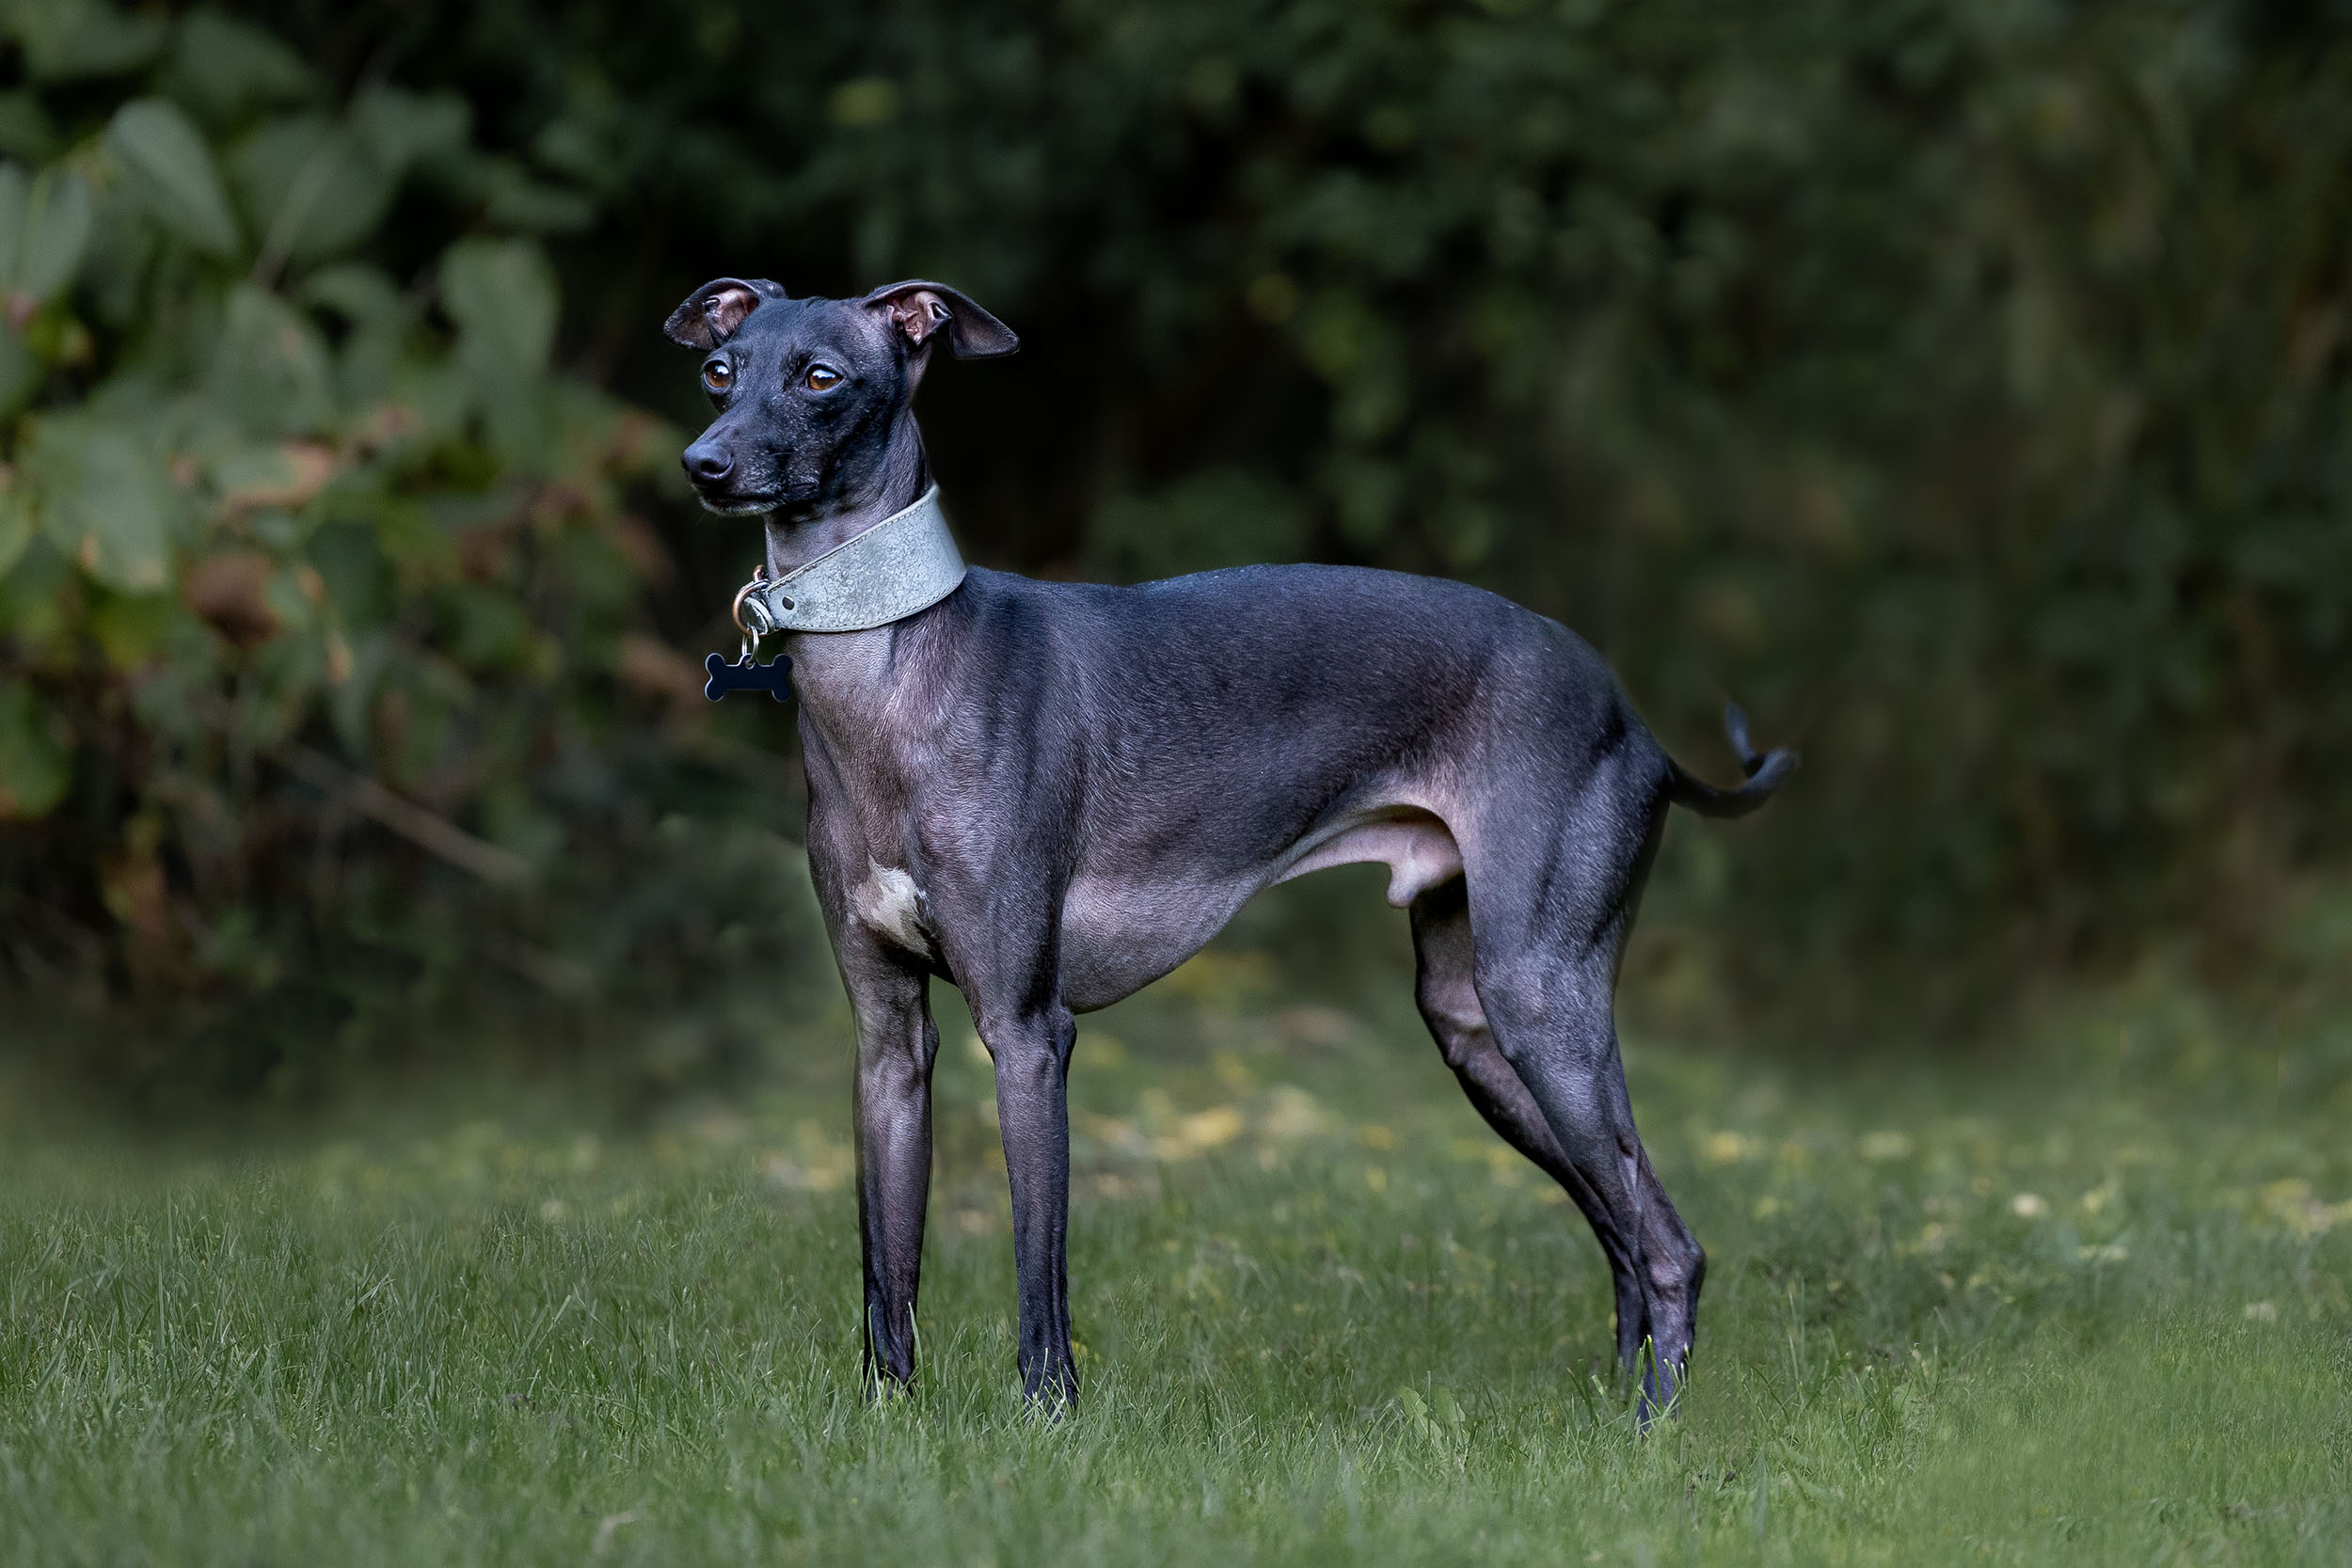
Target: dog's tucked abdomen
<point x="1119" y="934"/>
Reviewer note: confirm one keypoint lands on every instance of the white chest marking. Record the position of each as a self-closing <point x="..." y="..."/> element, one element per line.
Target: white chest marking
<point x="889" y="901"/>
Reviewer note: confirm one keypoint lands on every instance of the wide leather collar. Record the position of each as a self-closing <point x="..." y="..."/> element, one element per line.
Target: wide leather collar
<point x="906" y="562"/>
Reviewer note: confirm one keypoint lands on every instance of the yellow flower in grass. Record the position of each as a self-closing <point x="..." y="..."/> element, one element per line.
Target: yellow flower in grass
<point x="1723" y="1148"/>
<point x="1885" y="1146"/>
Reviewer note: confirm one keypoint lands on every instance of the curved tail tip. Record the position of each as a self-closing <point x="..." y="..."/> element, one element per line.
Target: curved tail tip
<point x="1768" y="772"/>
<point x="1736" y="730"/>
<point x="1764" y="773"/>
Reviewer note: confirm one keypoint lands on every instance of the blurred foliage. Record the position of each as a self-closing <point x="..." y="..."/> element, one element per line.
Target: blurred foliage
<point x="1963" y="387"/>
<point x="323" y="695"/>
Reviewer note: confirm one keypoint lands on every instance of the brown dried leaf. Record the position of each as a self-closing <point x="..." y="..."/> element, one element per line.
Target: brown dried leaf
<point x="230" y="593"/>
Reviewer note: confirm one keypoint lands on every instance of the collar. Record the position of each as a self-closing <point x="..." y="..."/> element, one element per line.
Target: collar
<point x="906" y="562"/>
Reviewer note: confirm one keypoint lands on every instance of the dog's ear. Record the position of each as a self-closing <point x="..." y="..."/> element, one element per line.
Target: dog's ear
<point x="921" y="310"/>
<point x="712" y="313"/>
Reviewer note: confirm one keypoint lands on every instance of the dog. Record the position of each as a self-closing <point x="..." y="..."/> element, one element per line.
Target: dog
<point x="1051" y="793"/>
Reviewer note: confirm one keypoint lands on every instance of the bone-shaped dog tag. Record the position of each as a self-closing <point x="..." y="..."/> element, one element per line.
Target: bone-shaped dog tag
<point x="774" y="678"/>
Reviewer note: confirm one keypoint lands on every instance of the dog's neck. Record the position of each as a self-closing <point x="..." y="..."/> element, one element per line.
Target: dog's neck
<point x="847" y="681"/>
<point x="888" y="481"/>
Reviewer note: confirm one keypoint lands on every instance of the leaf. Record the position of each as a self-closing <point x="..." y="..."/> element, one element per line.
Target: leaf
<point x="572" y="147"/>
<point x="16" y="519"/>
<point x="69" y="39"/>
<point x="501" y="295"/>
<point x="286" y="474"/>
<point x="514" y="201"/>
<point x="101" y="501"/>
<point x="223" y="66"/>
<point x="25" y="129"/>
<point x="310" y="186"/>
<point x="270" y="369"/>
<point x="175" y="174"/>
<point x="361" y="295"/>
<point x="230" y="593"/>
<point x="52" y="233"/>
<point x="15" y="199"/>
<point x="34" y="767"/>
<point x="402" y="128"/>
<point x="20" y="377"/>
<point x="426" y="401"/>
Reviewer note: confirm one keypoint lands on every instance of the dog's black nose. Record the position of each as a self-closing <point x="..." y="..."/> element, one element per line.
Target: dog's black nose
<point x="707" y="462"/>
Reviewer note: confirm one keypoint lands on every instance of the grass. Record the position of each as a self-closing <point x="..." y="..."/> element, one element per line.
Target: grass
<point x="2084" y="1307"/>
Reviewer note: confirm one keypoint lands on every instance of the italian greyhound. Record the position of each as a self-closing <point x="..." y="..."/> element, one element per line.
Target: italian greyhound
<point x="1051" y="793"/>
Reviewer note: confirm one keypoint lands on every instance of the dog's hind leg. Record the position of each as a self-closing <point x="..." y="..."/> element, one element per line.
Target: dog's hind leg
<point x="1547" y="930"/>
<point x="1446" y="989"/>
<point x="1553" y="1027"/>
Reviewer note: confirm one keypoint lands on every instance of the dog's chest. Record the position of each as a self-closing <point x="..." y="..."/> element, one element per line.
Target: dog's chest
<point x="860" y="808"/>
<point x="888" y="903"/>
<point x="859" y="815"/>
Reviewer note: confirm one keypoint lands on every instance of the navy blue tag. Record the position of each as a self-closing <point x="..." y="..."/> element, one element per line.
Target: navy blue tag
<point x="774" y="679"/>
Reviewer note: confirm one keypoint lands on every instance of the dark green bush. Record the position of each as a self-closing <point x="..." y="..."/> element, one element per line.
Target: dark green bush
<point x="1962" y="386"/>
<point x="325" y="689"/>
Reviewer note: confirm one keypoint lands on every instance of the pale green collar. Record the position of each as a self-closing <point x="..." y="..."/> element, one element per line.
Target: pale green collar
<point x="907" y="561"/>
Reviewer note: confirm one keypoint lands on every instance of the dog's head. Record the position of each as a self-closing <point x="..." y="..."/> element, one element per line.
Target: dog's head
<point x="809" y="390"/>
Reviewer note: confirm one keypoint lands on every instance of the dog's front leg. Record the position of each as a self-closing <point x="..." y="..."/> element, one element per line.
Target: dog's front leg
<point x="896" y="1043"/>
<point x="1031" y="1048"/>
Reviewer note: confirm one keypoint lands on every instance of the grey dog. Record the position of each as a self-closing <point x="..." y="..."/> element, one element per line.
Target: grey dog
<point x="1051" y="793"/>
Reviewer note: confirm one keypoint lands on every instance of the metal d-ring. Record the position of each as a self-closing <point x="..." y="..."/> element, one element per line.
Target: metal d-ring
<point x="735" y="611"/>
<point x="763" y="619"/>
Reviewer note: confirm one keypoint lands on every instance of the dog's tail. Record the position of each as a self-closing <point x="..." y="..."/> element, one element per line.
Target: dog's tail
<point x="1766" y="770"/>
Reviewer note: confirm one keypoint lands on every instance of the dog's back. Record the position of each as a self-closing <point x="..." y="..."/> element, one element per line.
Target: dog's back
<point x="1337" y="669"/>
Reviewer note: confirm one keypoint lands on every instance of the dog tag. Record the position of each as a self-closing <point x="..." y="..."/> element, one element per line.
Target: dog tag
<point x="748" y="675"/>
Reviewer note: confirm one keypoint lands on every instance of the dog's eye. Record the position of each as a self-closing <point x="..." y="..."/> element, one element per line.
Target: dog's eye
<point x="822" y="378"/>
<point x="718" y="375"/>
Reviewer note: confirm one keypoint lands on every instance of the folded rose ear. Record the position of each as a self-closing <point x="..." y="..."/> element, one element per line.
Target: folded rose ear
<point x="921" y="310"/>
<point x="712" y="313"/>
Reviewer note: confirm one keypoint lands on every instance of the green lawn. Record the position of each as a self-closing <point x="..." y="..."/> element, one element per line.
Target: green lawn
<point x="2082" y="1305"/>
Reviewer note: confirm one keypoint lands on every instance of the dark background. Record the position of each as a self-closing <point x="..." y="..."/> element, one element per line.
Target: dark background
<point x="1963" y="387"/>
